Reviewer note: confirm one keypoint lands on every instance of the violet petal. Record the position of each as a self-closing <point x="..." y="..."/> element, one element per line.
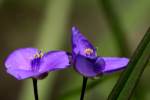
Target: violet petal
<point x="21" y="59"/>
<point x="80" y="44"/>
<point x="54" y="60"/>
<point x="100" y="63"/>
<point x="88" y="67"/>
<point x="114" y="64"/>
<point x="22" y="74"/>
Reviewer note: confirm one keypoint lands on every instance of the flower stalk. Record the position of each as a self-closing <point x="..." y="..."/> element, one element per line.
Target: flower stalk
<point x="35" y="89"/>
<point x="83" y="88"/>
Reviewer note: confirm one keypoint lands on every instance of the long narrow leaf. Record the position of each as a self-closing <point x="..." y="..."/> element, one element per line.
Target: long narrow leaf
<point x="130" y="77"/>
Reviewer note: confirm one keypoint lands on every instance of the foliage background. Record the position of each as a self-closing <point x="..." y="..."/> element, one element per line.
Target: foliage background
<point x="46" y="24"/>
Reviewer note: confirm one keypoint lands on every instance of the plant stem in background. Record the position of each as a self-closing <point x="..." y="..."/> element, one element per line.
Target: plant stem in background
<point x="76" y="90"/>
<point x="35" y="89"/>
<point x="51" y="36"/>
<point x="115" y="25"/>
<point x="83" y="87"/>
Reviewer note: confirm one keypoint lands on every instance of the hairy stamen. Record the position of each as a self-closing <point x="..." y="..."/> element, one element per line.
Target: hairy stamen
<point x="88" y="51"/>
<point x="35" y="63"/>
<point x="38" y="55"/>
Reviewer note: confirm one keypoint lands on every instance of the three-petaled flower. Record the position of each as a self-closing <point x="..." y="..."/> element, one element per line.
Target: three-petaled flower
<point x="32" y="63"/>
<point x="86" y="61"/>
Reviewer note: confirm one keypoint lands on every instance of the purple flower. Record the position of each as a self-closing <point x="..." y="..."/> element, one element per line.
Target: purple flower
<point x="86" y="61"/>
<point x="32" y="63"/>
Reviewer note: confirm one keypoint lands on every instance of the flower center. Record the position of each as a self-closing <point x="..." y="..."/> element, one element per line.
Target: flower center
<point x="88" y="51"/>
<point x="36" y="62"/>
<point x="38" y="55"/>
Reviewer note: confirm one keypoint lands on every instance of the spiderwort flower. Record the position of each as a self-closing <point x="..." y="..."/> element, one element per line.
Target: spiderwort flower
<point x="86" y="61"/>
<point x="32" y="63"/>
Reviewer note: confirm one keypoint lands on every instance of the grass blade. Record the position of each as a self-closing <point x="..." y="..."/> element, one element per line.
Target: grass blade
<point x="130" y="77"/>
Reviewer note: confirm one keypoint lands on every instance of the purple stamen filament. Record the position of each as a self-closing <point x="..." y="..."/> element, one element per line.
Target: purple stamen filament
<point x="35" y="63"/>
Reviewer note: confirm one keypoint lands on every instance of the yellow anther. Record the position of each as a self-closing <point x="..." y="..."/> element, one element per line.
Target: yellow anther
<point x="38" y="55"/>
<point x="88" y="51"/>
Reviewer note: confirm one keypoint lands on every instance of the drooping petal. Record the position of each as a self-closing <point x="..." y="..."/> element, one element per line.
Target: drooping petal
<point x="89" y="67"/>
<point x="114" y="64"/>
<point x="81" y="45"/>
<point x="100" y="63"/>
<point x="21" y="59"/>
<point x="22" y="74"/>
<point x="54" y="60"/>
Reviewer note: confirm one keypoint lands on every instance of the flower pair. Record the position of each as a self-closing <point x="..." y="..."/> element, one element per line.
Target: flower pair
<point x="32" y="63"/>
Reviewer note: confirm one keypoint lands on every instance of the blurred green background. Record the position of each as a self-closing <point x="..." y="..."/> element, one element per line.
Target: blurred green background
<point x="115" y="27"/>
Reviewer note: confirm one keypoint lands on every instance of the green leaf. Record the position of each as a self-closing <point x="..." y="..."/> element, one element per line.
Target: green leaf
<point x="130" y="77"/>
